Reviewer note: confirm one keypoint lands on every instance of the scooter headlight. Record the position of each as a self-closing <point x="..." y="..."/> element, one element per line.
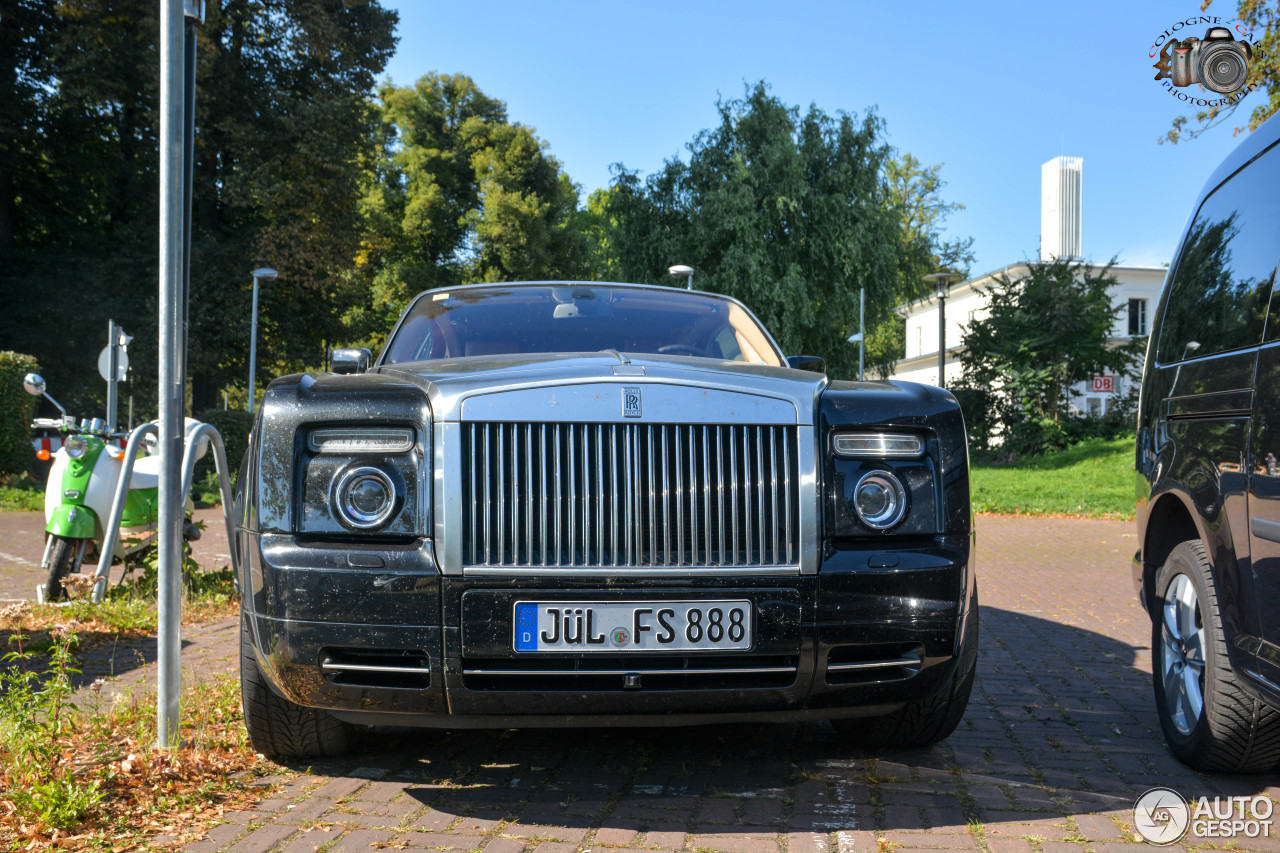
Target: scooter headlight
<point x="75" y="446"/>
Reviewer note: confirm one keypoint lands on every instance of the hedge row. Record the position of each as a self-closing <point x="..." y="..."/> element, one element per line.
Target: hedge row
<point x="17" y="407"/>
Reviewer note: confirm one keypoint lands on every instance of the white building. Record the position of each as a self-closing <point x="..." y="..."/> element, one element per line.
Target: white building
<point x="1136" y="293"/>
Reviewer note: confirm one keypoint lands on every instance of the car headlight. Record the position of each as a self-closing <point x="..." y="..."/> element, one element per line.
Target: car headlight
<point x="75" y="446"/>
<point x="877" y="445"/>
<point x="364" y="497"/>
<point x="880" y="500"/>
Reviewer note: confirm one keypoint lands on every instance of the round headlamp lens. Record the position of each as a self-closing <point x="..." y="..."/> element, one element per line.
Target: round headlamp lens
<point x="365" y="498"/>
<point x="880" y="500"/>
<point x="75" y="446"/>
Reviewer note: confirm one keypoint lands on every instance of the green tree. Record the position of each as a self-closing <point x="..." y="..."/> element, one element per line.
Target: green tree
<point x="282" y="120"/>
<point x="792" y="213"/>
<point x="456" y="192"/>
<point x="1263" y="20"/>
<point x="916" y="194"/>
<point x="1046" y="330"/>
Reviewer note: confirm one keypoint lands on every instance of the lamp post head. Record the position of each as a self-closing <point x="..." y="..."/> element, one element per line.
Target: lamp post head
<point x="680" y="270"/>
<point x="942" y="279"/>
<point x="855" y="338"/>
<point x="265" y="273"/>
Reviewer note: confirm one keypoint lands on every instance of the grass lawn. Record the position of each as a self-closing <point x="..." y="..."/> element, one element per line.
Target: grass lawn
<point x="1093" y="479"/>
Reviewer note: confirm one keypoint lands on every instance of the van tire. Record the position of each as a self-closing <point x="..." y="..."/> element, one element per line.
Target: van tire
<point x="1233" y="732"/>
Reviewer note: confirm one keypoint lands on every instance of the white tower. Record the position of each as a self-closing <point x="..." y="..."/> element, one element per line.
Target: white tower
<point x="1061" y="194"/>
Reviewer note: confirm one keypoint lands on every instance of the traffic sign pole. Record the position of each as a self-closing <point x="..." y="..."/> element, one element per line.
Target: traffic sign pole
<point x="113" y="371"/>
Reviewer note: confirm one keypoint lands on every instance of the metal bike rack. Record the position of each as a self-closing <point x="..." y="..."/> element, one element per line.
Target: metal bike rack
<point x="111" y="533"/>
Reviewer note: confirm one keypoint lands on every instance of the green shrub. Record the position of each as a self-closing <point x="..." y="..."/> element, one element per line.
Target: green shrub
<point x="233" y="426"/>
<point x="16" y="410"/>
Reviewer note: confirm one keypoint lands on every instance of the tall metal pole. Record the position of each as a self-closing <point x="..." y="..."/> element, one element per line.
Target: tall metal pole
<point x="113" y="371"/>
<point x="942" y="339"/>
<point x="942" y="279"/>
<point x="253" y="342"/>
<point x="188" y="165"/>
<point x="169" y="600"/>
<point x="862" y="327"/>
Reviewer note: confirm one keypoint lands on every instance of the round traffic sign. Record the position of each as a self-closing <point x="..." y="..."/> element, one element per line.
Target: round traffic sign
<point x="104" y="364"/>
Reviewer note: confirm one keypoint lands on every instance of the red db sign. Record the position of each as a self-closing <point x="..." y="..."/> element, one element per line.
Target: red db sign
<point x="1104" y="384"/>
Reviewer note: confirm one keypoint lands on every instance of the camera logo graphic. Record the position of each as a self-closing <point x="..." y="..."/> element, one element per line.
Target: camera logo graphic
<point x="1161" y="816"/>
<point x="1218" y="61"/>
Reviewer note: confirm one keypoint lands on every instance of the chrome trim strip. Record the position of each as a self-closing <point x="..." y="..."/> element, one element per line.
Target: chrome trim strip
<point x="1263" y="679"/>
<point x="806" y="461"/>
<point x="528" y="490"/>
<point x="449" y="516"/>
<point x="622" y="571"/>
<point x="545" y="672"/>
<point x="502" y="495"/>
<point x="873" y="664"/>
<point x="330" y="666"/>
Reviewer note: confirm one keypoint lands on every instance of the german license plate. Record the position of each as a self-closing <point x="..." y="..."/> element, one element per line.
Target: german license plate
<point x="632" y="626"/>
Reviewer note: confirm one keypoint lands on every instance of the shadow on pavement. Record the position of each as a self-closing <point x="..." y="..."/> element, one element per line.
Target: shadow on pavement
<point x="1061" y="726"/>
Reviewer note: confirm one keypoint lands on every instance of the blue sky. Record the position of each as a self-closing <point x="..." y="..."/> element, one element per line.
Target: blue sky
<point x="990" y="89"/>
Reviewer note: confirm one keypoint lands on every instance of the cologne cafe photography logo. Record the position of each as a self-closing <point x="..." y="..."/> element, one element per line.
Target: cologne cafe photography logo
<point x="1163" y="816"/>
<point x="1203" y="60"/>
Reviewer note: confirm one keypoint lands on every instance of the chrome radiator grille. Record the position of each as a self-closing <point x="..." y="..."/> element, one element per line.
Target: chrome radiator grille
<point x="629" y="495"/>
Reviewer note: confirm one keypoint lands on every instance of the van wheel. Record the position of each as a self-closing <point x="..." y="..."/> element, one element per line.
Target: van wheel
<point x="277" y="727"/>
<point x="1209" y="721"/>
<point x="922" y="722"/>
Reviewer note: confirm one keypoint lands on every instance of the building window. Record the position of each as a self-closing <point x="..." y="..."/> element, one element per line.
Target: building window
<point x="1097" y="407"/>
<point x="1137" y="317"/>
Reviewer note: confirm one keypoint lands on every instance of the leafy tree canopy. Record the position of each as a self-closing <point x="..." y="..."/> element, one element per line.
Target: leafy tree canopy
<point x="456" y="192"/>
<point x="282" y="116"/>
<point x="793" y="214"/>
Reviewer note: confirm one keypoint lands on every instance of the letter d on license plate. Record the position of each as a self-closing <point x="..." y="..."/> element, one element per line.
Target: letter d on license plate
<point x="632" y="626"/>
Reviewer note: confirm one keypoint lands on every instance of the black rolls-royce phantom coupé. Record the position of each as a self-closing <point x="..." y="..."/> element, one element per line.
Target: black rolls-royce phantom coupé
<point x="559" y="503"/>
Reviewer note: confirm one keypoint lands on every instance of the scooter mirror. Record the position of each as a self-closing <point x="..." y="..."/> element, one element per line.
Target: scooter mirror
<point x="34" y="383"/>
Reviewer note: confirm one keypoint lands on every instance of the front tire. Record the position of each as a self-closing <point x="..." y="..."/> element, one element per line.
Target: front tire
<point x="64" y="559"/>
<point x="277" y="727"/>
<point x="1209" y="721"/>
<point x="922" y="722"/>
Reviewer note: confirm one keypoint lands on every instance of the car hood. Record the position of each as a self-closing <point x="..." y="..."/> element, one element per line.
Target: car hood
<point x="579" y="387"/>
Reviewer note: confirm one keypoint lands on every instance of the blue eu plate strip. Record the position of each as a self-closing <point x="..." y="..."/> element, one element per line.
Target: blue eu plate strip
<point x="526" y="627"/>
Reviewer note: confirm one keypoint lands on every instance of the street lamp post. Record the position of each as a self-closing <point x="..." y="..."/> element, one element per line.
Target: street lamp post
<point x="683" y="271"/>
<point x="943" y="280"/>
<point x="860" y="337"/>
<point x="260" y="274"/>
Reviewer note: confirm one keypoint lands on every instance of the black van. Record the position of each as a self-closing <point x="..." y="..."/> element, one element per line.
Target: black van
<point x="1208" y="458"/>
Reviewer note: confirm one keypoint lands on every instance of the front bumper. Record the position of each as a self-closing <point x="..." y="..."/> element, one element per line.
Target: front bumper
<point x="379" y="636"/>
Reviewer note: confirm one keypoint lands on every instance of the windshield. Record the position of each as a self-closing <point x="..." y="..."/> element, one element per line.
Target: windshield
<point x="507" y="319"/>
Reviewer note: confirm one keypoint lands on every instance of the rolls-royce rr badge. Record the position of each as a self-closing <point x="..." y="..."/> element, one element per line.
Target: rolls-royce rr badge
<point x="631" y="402"/>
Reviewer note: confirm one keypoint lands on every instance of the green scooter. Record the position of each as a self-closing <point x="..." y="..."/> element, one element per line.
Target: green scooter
<point x="81" y="487"/>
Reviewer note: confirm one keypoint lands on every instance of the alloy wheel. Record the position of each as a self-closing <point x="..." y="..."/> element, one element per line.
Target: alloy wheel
<point x="1182" y="654"/>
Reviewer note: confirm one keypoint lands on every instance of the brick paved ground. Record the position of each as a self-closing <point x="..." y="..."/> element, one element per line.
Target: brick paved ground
<point x="22" y="546"/>
<point x="1059" y="739"/>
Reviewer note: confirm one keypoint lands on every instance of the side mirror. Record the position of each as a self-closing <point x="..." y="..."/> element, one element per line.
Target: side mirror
<point x="349" y="360"/>
<point x="34" y="385"/>
<point x="807" y="362"/>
